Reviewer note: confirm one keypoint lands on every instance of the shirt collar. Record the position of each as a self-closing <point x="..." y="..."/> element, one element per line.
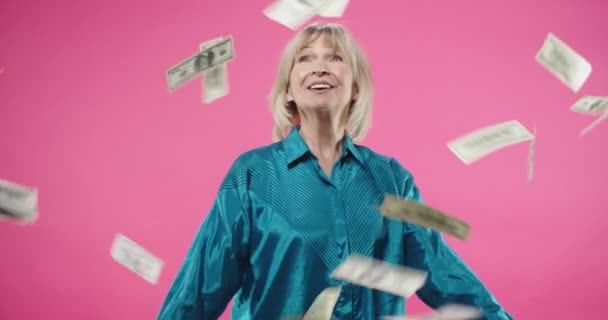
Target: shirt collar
<point x="295" y="147"/>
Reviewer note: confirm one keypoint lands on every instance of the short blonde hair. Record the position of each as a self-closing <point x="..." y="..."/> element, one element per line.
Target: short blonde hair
<point x="284" y="112"/>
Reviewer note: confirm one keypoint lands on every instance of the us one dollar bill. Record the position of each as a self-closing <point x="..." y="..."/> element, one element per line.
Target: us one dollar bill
<point x="136" y="258"/>
<point x="450" y="311"/>
<point x="293" y="13"/>
<point x="380" y="275"/>
<point x="563" y="62"/>
<point x="214" y="55"/>
<point x="333" y="8"/>
<point x="590" y="105"/>
<point x="322" y="307"/>
<point x="595" y="123"/>
<point x="17" y="202"/>
<point x="417" y="213"/>
<point x="479" y="143"/>
<point x="215" y="79"/>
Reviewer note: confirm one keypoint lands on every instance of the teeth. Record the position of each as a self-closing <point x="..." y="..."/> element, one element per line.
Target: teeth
<point x="320" y="86"/>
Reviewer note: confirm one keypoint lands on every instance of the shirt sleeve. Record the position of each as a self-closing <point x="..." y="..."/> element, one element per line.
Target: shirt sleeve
<point x="212" y="270"/>
<point x="449" y="280"/>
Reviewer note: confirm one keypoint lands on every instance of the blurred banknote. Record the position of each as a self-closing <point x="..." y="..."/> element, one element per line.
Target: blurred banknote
<point x="333" y="8"/>
<point x="531" y="157"/>
<point x="214" y="55"/>
<point x="292" y="13"/>
<point x="594" y="124"/>
<point x="379" y="275"/>
<point x="477" y="144"/>
<point x="136" y="258"/>
<point x="215" y="79"/>
<point x="445" y="312"/>
<point x="417" y="213"/>
<point x="561" y="60"/>
<point x="18" y="203"/>
<point x="590" y="105"/>
<point x="322" y="307"/>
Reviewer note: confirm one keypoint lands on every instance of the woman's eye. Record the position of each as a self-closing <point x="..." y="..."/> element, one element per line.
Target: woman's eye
<point x="304" y="58"/>
<point x="336" y="58"/>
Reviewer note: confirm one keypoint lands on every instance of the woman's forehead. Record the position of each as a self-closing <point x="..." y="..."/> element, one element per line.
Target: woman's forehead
<point x="320" y="39"/>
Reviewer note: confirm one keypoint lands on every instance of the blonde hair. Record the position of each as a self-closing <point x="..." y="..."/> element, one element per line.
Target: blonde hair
<point x="285" y="113"/>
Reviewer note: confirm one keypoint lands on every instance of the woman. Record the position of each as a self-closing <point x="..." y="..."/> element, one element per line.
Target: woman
<point x="287" y="214"/>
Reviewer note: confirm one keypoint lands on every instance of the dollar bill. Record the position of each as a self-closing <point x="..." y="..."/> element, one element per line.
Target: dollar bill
<point x="417" y="213"/>
<point x="563" y="62"/>
<point x="136" y="258"/>
<point x="293" y="13"/>
<point x="380" y="275"/>
<point x="17" y="202"/>
<point x="322" y="307"/>
<point x="479" y="143"/>
<point x="188" y="69"/>
<point x="333" y="8"/>
<point x="215" y="79"/>
<point x="595" y="123"/>
<point x="531" y="157"/>
<point x="450" y="311"/>
<point x="590" y="105"/>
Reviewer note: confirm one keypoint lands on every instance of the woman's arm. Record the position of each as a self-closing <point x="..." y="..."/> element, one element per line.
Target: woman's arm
<point x="212" y="270"/>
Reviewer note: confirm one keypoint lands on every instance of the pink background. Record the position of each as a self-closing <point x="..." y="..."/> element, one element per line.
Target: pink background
<point x="86" y="117"/>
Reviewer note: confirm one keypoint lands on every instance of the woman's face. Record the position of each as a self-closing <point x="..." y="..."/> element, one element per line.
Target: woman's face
<point x="321" y="79"/>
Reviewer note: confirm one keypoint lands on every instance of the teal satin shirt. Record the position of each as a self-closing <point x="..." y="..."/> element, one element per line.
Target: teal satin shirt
<point x="279" y="226"/>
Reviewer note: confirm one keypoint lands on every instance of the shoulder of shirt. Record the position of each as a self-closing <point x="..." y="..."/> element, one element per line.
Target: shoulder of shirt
<point x="377" y="159"/>
<point x="248" y="162"/>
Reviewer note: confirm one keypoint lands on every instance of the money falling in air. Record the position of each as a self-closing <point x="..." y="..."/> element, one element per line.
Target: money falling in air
<point x="417" y="213"/>
<point x="563" y="62"/>
<point x="294" y="13"/>
<point x="18" y="203"/>
<point x="215" y="79"/>
<point x="479" y="143"/>
<point x="590" y="105"/>
<point x="380" y="275"/>
<point x="136" y="258"/>
<point x="214" y="55"/>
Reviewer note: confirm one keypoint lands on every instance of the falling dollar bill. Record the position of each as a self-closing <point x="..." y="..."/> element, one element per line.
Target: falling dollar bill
<point x="594" y="124"/>
<point x="322" y="307"/>
<point x="563" y="62"/>
<point x="590" y="105"/>
<point x="379" y="275"/>
<point x="18" y="203"/>
<point x="188" y="69"/>
<point x="136" y="258"/>
<point x="417" y="213"/>
<point x="293" y="13"/>
<point x="531" y="157"/>
<point x="450" y="311"/>
<point x="333" y="8"/>
<point x="215" y="79"/>
<point x="479" y="143"/>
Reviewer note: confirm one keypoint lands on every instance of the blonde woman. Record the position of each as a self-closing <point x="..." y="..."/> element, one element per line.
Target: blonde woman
<point x="289" y="213"/>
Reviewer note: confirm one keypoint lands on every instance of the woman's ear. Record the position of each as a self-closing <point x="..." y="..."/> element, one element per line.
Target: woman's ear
<point x="355" y="94"/>
<point x="288" y="95"/>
